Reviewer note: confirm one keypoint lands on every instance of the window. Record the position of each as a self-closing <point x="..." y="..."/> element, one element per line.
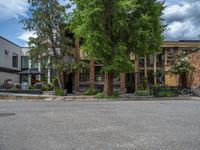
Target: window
<point x="15" y="60"/>
<point x="34" y="64"/>
<point x="25" y="62"/>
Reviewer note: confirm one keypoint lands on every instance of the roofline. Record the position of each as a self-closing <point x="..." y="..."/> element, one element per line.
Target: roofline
<point x="9" y="41"/>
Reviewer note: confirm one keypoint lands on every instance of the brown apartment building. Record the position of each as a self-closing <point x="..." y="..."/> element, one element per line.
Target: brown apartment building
<point x="145" y="68"/>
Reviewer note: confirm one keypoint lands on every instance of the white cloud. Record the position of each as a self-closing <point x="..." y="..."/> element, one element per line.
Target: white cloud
<point x="183" y="20"/>
<point x="13" y="9"/>
<point x="25" y="37"/>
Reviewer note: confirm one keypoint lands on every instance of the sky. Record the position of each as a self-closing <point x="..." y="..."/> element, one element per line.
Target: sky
<point x="180" y="16"/>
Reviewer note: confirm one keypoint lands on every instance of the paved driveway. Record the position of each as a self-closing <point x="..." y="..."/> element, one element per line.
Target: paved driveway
<point x="146" y="125"/>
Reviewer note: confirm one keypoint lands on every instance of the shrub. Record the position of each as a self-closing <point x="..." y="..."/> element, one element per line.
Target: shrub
<point x="142" y="85"/>
<point x="60" y="92"/>
<point x="47" y="87"/>
<point x="166" y="94"/>
<point x="115" y="94"/>
<point x="90" y="91"/>
<point x="100" y="96"/>
<point x="31" y="87"/>
<point x="142" y="93"/>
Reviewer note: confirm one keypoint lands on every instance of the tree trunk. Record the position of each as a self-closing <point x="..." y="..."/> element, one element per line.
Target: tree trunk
<point x="108" y="84"/>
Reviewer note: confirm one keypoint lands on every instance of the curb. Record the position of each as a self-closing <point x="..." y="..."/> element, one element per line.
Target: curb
<point x="89" y="98"/>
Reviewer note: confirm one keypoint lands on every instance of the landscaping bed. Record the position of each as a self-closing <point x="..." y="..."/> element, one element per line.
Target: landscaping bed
<point x="35" y="91"/>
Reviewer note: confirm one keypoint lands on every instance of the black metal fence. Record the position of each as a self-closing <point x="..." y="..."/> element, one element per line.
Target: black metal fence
<point x="164" y="91"/>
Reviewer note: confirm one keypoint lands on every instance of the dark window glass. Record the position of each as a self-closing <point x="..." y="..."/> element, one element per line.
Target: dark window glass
<point x="34" y="65"/>
<point x="24" y="62"/>
<point x="15" y="60"/>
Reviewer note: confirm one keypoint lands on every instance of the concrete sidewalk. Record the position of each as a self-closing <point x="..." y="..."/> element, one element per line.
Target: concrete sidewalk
<point x="125" y="97"/>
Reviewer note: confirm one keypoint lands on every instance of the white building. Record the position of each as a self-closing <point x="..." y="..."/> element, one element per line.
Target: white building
<point x="10" y="61"/>
<point x="15" y="63"/>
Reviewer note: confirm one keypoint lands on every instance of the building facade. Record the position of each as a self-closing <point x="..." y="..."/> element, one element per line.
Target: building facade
<point x="15" y="63"/>
<point x="148" y="69"/>
<point x="10" y="61"/>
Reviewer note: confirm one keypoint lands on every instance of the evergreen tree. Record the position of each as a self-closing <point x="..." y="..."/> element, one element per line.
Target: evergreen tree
<point x="112" y="29"/>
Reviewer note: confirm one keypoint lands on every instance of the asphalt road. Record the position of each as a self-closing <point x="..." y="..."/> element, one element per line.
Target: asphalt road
<point x="146" y="125"/>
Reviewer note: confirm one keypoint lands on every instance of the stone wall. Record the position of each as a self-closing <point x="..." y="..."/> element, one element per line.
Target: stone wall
<point x="194" y="76"/>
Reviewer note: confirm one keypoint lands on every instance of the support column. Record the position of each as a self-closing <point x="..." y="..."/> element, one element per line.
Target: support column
<point x="165" y="57"/>
<point x="136" y="72"/>
<point x="49" y="72"/>
<point x="122" y="83"/>
<point x="77" y="72"/>
<point x="155" y="69"/>
<point x="145" y="70"/>
<point x="77" y="81"/>
<point x="92" y="74"/>
<point x="39" y="69"/>
<point x="29" y="76"/>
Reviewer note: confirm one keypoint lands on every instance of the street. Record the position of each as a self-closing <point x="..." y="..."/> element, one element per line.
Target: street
<point x="103" y="125"/>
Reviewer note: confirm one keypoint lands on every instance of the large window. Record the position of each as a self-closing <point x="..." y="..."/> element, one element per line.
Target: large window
<point x="99" y="76"/>
<point x="15" y="60"/>
<point x="34" y="64"/>
<point x="25" y="62"/>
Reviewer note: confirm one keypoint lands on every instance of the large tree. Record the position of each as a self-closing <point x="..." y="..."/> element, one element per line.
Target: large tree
<point x="48" y="22"/>
<point x="112" y="29"/>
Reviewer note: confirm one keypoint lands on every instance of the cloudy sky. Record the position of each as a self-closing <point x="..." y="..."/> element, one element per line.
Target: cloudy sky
<point x="181" y="16"/>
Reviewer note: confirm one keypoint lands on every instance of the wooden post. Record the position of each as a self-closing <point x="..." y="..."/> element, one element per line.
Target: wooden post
<point x="92" y="74"/>
<point x="77" y="73"/>
<point x="122" y="83"/>
<point x="155" y="69"/>
<point x="145" y="70"/>
<point x="136" y="72"/>
<point x="145" y="67"/>
<point x="165" y="57"/>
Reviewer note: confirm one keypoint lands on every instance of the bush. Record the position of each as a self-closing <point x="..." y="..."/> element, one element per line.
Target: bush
<point x="116" y="94"/>
<point x="142" y="93"/>
<point x="102" y="96"/>
<point x="32" y="87"/>
<point x="47" y="87"/>
<point x="91" y="91"/>
<point x="166" y="94"/>
<point x="60" y="92"/>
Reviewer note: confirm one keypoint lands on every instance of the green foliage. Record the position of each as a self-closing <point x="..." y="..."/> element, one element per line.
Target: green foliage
<point x="142" y="93"/>
<point x="165" y="91"/>
<point x="181" y="65"/>
<point x="32" y="87"/>
<point x="48" y="21"/>
<point x="116" y="94"/>
<point x="103" y="96"/>
<point x="60" y="92"/>
<point x="100" y="96"/>
<point x="90" y="91"/>
<point x="143" y="84"/>
<point x="55" y="82"/>
<point x="166" y="94"/>
<point x="47" y="87"/>
<point x="113" y="29"/>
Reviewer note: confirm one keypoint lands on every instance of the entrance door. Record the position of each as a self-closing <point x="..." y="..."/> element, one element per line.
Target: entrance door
<point x="69" y="84"/>
<point x="130" y="82"/>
